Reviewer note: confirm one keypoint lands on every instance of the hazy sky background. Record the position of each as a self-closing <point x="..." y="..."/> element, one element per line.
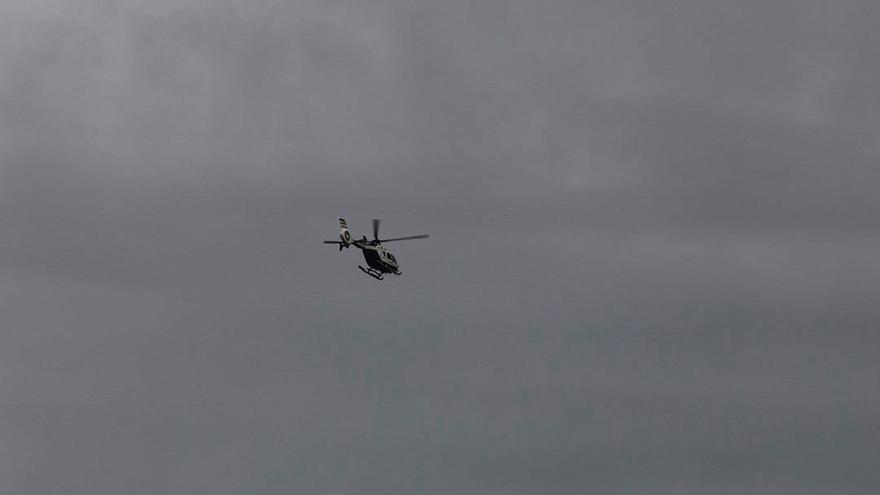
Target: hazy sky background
<point x="653" y="263"/>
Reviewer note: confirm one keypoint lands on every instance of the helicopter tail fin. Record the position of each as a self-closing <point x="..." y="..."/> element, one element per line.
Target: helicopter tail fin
<point x="344" y="234"/>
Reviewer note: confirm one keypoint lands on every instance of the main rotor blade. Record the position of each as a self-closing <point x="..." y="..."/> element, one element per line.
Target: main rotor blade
<point x="422" y="236"/>
<point x="332" y="242"/>
<point x="376" y="228"/>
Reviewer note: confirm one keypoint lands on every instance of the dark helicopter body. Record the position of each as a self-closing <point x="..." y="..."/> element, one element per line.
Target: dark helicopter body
<point x="379" y="261"/>
<point x="377" y="257"/>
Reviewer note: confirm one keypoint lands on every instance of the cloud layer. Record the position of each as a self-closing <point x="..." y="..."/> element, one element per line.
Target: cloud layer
<point x="652" y="266"/>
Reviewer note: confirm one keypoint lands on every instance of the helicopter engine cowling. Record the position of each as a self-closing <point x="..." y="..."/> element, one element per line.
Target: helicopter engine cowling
<point x="345" y="236"/>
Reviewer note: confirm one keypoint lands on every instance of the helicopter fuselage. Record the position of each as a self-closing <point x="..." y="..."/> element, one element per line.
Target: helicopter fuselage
<point x="377" y="257"/>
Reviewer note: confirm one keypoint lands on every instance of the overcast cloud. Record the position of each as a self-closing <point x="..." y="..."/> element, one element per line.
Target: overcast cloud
<point x="652" y="267"/>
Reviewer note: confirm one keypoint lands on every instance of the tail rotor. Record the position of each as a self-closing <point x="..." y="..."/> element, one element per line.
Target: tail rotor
<point x="344" y="234"/>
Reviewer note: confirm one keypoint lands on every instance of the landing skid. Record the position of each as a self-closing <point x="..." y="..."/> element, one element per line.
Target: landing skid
<point x="372" y="272"/>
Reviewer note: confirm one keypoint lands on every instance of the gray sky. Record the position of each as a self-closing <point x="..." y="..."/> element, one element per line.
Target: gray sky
<point x="653" y="265"/>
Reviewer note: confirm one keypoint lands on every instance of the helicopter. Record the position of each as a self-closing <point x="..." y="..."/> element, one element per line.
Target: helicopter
<point x="379" y="261"/>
